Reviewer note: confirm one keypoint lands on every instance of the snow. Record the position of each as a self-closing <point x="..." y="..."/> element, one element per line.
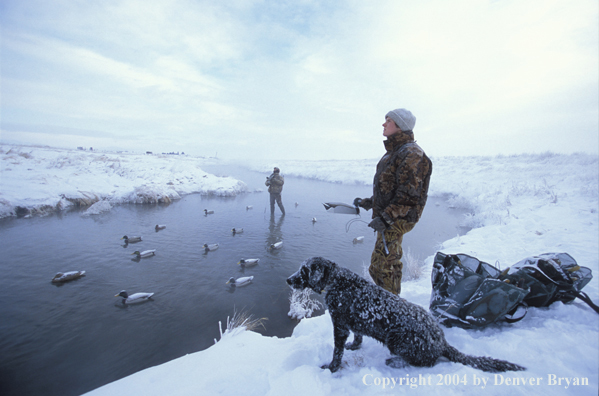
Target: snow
<point x="519" y="206"/>
<point x="38" y="180"/>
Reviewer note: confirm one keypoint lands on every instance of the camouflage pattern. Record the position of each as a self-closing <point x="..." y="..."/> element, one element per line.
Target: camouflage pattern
<point x="275" y="183"/>
<point x="386" y="270"/>
<point x="275" y="186"/>
<point x="400" y="187"/>
<point x="400" y="191"/>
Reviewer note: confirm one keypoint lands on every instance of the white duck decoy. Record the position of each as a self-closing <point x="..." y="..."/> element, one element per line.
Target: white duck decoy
<point x="210" y="247"/>
<point x="145" y="253"/>
<point x="249" y="207"/>
<point x="237" y="230"/>
<point x="313" y="219"/>
<point x="246" y="280"/>
<point x="359" y="239"/>
<point x="134" y="298"/>
<point x="276" y="245"/>
<point x="67" y="276"/>
<point x="132" y="239"/>
<point x="296" y="204"/>
<point x="207" y="212"/>
<point x="248" y="262"/>
<point x="159" y="227"/>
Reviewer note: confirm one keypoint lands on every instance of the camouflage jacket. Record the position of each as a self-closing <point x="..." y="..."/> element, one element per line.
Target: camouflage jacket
<point x="400" y="186"/>
<point x="275" y="183"/>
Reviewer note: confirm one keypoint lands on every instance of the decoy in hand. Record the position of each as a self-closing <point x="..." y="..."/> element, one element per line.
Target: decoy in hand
<point x="134" y="298"/>
<point x="248" y="262"/>
<point x="246" y="280"/>
<point x="145" y="253"/>
<point x="67" y="276"/>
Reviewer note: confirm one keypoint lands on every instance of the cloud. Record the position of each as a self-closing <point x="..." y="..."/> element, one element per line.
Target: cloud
<point x="307" y="79"/>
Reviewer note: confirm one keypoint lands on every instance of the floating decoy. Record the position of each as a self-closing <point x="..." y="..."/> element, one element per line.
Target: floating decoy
<point x="210" y="247"/>
<point x="249" y="207"/>
<point x="134" y="298"/>
<point x="67" y="276"/>
<point x="276" y="245"/>
<point x="237" y="230"/>
<point x="145" y="253"/>
<point x="246" y="280"/>
<point x="313" y="219"/>
<point x="296" y="204"/>
<point x="160" y="227"/>
<point x="248" y="262"/>
<point x="132" y="239"/>
<point x="359" y="239"/>
<point x="207" y="212"/>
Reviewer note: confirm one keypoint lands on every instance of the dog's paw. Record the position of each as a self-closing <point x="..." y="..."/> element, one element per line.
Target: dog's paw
<point x="396" y="362"/>
<point x="352" y="346"/>
<point x="330" y="367"/>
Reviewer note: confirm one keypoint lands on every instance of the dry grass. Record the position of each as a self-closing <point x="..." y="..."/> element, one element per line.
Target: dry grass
<point x="241" y="321"/>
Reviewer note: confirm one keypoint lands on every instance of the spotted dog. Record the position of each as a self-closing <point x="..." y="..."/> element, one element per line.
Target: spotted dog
<point x="408" y="330"/>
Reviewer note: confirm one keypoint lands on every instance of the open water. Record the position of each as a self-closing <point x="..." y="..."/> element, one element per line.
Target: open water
<point x="75" y="337"/>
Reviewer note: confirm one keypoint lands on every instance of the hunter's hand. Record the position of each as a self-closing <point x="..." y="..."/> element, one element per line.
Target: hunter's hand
<point x="378" y="224"/>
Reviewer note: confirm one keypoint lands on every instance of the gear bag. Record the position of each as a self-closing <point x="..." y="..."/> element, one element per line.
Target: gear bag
<point x="470" y="293"/>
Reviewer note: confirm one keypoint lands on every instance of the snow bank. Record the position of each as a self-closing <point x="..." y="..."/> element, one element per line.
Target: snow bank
<point x="521" y="206"/>
<point x="37" y="180"/>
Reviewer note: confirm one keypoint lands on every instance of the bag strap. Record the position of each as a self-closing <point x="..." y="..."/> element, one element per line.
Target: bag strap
<point x="584" y="297"/>
<point x="510" y="316"/>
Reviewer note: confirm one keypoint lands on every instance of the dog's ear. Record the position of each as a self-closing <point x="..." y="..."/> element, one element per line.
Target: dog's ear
<point x="320" y="269"/>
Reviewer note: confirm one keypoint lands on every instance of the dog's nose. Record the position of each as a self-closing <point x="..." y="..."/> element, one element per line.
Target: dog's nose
<point x="289" y="281"/>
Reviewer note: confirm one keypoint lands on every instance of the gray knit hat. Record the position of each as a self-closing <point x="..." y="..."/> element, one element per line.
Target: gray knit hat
<point x="404" y="119"/>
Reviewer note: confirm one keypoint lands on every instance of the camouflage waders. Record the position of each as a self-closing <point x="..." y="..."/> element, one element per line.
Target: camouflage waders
<point x="386" y="270"/>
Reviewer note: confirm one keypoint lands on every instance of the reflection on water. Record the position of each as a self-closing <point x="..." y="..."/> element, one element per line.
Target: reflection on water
<point x="66" y="339"/>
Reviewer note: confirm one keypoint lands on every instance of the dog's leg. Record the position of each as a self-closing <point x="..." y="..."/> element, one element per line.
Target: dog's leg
<point x="396" y="362"/>
<point x="356" y="344"/>
<point x="340" y="335"/>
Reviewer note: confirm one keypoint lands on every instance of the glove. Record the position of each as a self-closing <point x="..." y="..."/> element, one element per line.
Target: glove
<point x="357" y="201"/>
<point x="378" y="224"/>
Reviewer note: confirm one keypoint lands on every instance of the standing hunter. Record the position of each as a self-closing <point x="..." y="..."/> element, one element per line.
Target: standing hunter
<point x="400" y="190"/>
<point x="275" y="186"/>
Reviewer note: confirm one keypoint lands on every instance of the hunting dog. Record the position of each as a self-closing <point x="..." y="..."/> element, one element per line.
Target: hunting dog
<point x="408" y="330"/>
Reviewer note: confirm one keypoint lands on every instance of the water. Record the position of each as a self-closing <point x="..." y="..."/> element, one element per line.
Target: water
<point x="69" y="339"/>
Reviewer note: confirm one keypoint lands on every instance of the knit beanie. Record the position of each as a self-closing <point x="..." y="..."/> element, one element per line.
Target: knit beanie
<point x="404" y="119"/>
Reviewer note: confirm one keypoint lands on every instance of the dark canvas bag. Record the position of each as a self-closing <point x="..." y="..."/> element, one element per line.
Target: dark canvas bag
<point x="470" y="293"/>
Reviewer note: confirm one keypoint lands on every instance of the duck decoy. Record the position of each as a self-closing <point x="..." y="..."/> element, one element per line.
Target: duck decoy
<point x="237" y="231"/>
<point x="159" y="227"/>
<point x="248" y="262"/>
<point x="210" y="247"/>
<point x="276" y="245"/>
<point x="296" y="204"/>
<point x="359" y="239"/>
<point x="249" y="207"/>
<point x="246" y="280"/>
<point x="207" y="212"/>
<point x="67" y="276"/>
<point x="134" y="298"/>
<point x="132" y="239"/>
<point x="313" y="219"/>
<point x="145" y="253"/>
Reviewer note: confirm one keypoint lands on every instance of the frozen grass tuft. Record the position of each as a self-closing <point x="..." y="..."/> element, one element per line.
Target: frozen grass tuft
<point x="241" y="321"/>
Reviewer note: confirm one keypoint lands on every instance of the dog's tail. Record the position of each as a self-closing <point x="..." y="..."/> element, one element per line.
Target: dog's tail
<point x="483" y="363"/>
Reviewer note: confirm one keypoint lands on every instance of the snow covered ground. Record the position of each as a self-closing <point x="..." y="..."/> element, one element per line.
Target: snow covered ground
<point x="38" y="180"/>
<point x="520" y="206"/>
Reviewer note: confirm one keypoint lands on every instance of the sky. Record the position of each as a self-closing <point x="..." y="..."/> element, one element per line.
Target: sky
<point x="300" y="79"/>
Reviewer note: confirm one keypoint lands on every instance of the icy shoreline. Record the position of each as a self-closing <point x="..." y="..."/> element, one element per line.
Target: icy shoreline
<point x="39" y="180"/>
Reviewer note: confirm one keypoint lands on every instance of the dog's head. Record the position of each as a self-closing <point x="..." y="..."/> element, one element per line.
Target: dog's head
<point x="313" y="273"/>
